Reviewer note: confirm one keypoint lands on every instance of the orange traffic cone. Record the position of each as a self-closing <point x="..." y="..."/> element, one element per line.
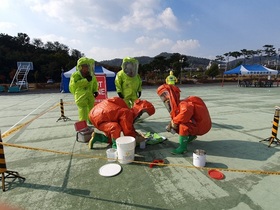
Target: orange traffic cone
<point x="3" y="169"/>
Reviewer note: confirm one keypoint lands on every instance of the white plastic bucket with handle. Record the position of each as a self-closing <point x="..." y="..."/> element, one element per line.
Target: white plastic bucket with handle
<point x="126" y="149"/>
<point x="199" y="158"/>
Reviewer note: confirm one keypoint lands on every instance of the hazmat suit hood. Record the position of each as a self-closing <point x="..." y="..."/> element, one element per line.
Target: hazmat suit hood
<point x="86" y="61"/>
<point x="142" y="109"/>
<point x="130" y="66"/>
<point x="170" y="96"/>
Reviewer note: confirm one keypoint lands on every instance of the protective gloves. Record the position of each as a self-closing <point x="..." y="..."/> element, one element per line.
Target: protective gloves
<point x="173" y="125"/>
<point x="95" y="94"/>
<point x="169" y="128"/>
<point x="120" y="95"/>
<point x="89" y="78"/>
<point x="139" y="94"/>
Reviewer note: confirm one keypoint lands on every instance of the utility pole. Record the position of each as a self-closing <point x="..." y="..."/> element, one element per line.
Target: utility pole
<point x="181" y="61"/>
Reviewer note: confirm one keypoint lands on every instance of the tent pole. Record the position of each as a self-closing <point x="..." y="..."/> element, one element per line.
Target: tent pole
<point x="223" y="80"/>
<point x="238" y="80"/>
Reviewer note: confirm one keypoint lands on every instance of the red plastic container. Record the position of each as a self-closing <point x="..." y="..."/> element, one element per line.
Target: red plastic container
<point x="80" y="125"/>
<point x="84" y="131"/>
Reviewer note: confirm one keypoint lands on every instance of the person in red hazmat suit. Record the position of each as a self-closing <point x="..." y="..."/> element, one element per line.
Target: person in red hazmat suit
<point x="128" y="82"/>
<point x="84" y="86"/>
<point x="189" y="117"/>
<point x="113" y="116"/>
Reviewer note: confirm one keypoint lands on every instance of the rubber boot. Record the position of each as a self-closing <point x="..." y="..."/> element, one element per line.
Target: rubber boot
<point x="183" y="140"/>
<point x="97" y="137"/>
<point x="191" y="138"/>
<point x="114" y="143"/>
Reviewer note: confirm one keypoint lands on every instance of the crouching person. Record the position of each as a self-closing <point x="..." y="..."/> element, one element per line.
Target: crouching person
<point x="113" y="116"/>
<point x="189" y="117"/>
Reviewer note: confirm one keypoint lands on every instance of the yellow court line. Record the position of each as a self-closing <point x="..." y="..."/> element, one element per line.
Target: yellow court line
<point x="147" y="163"/>
<point x="16" y="128"/>
<point x="99" y="157"/>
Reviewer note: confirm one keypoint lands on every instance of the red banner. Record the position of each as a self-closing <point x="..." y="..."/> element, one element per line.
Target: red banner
<point x="102" y="88"/>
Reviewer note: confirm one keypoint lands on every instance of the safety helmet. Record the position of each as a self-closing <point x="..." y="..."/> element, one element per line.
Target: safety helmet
<point x="130" y="66"/>
<point x="142" y="109"/>
<point x="171" y="73"/>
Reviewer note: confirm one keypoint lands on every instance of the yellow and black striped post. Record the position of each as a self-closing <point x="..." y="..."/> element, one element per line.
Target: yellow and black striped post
<point x="3" y="169"/>
<point x="2" y="157"/>
<point x="274" y="130"/>
<point x="62" y="116"/>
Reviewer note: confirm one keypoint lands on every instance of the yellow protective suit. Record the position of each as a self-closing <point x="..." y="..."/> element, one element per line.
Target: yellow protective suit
<point x="82" y="89"/>
<point x="171" y="79"/>
<point x="129" y="85"/>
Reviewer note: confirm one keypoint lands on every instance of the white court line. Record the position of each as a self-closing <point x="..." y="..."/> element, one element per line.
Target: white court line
<point x="25" y="117"/>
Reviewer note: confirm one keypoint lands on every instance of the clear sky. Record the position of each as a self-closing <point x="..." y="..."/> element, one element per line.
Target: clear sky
<point x="108" y="29"/>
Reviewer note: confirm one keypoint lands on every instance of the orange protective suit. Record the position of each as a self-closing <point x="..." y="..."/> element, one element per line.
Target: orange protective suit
<point x="113" y="116"/>
<point x="190" y="114"/>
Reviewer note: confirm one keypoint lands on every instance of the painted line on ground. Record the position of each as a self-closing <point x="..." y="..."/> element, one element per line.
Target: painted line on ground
<point x="16" y="127"/>
<point x="25" y="117"/>
<point x="146" y="163"/>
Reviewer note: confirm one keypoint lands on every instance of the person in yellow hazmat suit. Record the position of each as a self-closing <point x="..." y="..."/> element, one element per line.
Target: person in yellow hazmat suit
<point x="128" y="82"/>
<point x="84" y="86"/>
<point x="171" y="79"/>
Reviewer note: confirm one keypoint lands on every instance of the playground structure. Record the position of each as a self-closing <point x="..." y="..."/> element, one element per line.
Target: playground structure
<point x="19" y="82"/>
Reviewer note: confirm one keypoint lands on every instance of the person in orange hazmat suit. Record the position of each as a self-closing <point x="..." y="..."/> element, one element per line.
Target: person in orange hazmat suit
<point x="113" y="116"/>
<point x="189" y="117"/>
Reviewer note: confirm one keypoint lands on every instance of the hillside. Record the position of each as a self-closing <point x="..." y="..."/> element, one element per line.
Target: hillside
<point x="194" y="61"/>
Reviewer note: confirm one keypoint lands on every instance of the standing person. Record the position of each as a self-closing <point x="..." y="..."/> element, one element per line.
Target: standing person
<point x="84" y="86"/>
<point x="128" y="82"/>
<point x="113" y="116"/>
<point x="171" y="79"/>
<point x="189" y="117"/>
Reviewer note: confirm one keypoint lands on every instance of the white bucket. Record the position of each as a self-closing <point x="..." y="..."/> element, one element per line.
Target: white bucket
<point x="126" y="149"/>
<point x="199" y="158"/>
<point x="112" y="154"/>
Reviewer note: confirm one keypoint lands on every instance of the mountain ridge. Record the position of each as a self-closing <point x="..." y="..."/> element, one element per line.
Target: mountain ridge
<point x="193" y="61"/>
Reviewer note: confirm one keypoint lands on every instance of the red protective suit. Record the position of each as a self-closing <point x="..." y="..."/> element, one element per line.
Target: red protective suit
<point x="190" y="114"/>
<point x="193" y="117"/>
<point x="113" y="116"/>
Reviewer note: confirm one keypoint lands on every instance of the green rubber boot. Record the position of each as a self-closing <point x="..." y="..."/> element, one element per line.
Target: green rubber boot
<point x="191" y="138"/>
<point x="97" y="137"/>
<point x="183" y="140"/>
<point x="114" y="143"/>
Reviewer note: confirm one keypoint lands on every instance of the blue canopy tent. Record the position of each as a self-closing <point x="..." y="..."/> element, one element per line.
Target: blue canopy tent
<point x="252" y="70"/>
<point x="99" y="70"/>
